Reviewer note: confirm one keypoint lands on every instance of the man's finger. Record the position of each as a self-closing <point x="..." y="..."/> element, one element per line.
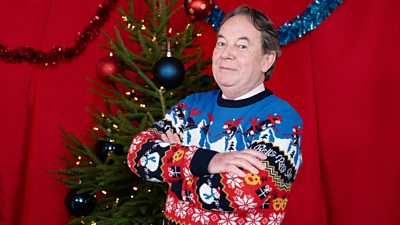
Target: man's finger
<point x="164" y="138"/>
<point x="255" y="153"/>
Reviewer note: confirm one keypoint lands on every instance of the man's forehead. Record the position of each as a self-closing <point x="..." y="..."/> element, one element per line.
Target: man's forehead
<point x="239" y="26"/>
<point x="244" y="38"/>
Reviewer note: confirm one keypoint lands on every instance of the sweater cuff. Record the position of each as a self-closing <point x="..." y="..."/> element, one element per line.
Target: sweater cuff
<point x="200" y="161"/>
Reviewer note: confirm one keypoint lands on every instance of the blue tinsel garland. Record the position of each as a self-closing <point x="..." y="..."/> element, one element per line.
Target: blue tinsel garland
<point x="294" y="29"/>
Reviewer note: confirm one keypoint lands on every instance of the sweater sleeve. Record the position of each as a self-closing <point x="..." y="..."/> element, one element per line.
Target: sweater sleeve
<point x="155" y="160"/>
<point x="269" y="189"/>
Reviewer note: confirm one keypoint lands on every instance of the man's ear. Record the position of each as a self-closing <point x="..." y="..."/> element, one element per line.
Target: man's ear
<point x="268" y="61"/>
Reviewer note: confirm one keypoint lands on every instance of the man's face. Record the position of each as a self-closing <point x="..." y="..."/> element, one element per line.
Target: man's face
<point x="238" y="61"/>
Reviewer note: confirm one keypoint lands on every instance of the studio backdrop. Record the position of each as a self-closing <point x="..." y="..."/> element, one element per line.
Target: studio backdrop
<point x="343" y="78"/>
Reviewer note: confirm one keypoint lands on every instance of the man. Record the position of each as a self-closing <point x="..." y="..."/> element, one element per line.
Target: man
<point x="229" y="156"/>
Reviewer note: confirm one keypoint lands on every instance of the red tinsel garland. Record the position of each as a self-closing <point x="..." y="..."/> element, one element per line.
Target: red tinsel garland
<point x="57" y="53"/>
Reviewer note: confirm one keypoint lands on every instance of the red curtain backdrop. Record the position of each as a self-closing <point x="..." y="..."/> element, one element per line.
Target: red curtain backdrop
<point x="343" y="78"/>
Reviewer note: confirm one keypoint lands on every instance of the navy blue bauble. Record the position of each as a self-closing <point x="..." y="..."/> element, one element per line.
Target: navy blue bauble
<point x="79" y="204"/>
<point x="169" y="72"/>
<point x="104" y="148"/>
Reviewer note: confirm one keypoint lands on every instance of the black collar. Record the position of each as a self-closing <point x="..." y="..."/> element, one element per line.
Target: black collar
<point x="242" y="102"/>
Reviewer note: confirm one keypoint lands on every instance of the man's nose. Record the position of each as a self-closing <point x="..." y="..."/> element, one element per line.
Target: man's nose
<point x="228" y="52"/>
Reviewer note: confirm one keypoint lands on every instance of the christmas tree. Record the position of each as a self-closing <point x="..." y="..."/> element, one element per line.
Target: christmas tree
<point x="148" y="77"/>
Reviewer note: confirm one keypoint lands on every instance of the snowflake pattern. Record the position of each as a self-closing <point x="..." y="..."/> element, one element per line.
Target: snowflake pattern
<point x="228" y="219"/>
<point x="187" y="174"/>
<point x="275" y="219"/>
<point x="169" y="204"/>
<point x="201" y="215"/>
<point x="181" y="209"/>
<point x="245" y="203"/>
<point x="253" y="219"/>
<point x="234" y="181"/>
<point x="190" y="152"/>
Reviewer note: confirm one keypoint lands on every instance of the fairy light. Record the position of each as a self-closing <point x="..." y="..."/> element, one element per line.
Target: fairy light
<point x="142" y="106"/>
<point x="143" y="26"/>
<point x="77" y="163"/>
<point x="95" y="128"/>
<point x="104" y="192"/>
<point x="149" y="190"/>
<point x="135" y="188"/>
<point x="124" y="18"/>
<point x="116" y="200"/>
<point x="115" y="126"/>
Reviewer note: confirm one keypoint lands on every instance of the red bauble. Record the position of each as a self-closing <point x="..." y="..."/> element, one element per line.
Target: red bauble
<point x="107" y="66"/>
<point x="198" y="9"/>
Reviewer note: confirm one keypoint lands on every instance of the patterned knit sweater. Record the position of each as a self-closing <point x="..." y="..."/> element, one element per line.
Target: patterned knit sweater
<point x="207" y="124"/>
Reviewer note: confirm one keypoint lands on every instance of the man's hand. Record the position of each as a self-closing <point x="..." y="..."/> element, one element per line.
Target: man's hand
<point x="170" y="137"/>
<point x="234" y="162"/>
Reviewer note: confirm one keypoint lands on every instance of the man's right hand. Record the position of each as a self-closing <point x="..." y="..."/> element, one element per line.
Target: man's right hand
<point x="236" y="162"/>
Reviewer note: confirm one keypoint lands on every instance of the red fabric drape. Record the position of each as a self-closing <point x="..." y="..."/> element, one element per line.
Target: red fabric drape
<point x="342" y="78"/>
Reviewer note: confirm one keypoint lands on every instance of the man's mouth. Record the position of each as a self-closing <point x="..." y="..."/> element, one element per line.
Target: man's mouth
<point x="223" y="68"/>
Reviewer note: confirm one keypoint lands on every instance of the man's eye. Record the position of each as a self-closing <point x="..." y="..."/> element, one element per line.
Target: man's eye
<point x="220" y="44"/>
<point x="242" y="46"/>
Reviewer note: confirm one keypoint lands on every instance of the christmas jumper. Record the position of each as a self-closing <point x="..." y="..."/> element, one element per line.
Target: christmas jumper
<point x="207" y="124"/>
